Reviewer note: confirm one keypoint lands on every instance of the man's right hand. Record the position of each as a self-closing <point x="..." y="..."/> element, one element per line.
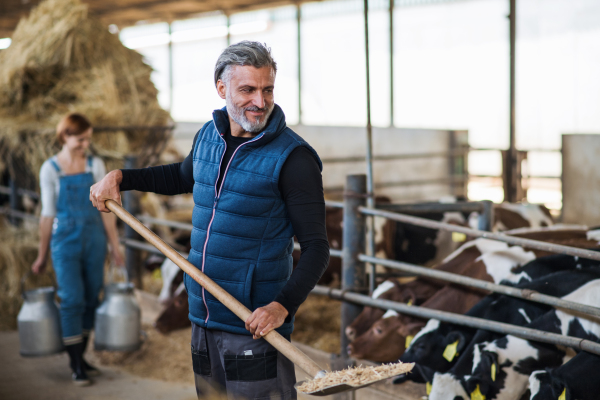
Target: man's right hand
<point x="107" y="189"/>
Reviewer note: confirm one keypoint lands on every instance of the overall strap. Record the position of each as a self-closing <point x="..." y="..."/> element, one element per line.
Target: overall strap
<point x="55" y="164"/>
<point x="90" y="161"/>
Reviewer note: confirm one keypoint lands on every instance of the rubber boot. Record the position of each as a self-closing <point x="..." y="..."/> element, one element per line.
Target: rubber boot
<point x="90" y="369"/>
<point x="80" y="377"/>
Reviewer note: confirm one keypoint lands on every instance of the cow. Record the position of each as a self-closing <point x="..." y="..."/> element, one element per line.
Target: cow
<point x="572" y="380"/>
<point x="483" y="259"/>
<point x="501" y="368"/>
<point x="175" y="314"/>
<point x="415" y="292"/>
<point x="521" y="215"/>
<point x="429" y="345"/>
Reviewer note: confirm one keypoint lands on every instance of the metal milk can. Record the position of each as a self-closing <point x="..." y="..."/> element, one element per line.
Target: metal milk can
<point x="118" y="319"/>
<point x="39" y="322"/>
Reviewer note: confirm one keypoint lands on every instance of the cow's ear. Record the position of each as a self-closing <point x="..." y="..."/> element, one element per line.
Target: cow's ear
<point x="559" y="389"/>
<point x="458" y="338"/>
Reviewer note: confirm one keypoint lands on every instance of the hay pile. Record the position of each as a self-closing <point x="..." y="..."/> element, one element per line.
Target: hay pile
<point x="18" y="250"/>
<point x="318" y="323"/>
<point x="357" y="376"/>
<point x="62" y="60"/>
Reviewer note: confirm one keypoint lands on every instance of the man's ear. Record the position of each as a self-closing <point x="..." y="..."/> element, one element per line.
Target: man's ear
<point x="221" y="89"/>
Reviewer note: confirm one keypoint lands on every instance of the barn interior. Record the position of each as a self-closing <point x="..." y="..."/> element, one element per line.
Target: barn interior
<point x="443" y="126"/>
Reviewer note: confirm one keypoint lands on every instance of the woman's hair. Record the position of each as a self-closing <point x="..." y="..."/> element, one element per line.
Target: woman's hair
<point x="71" y="125"/>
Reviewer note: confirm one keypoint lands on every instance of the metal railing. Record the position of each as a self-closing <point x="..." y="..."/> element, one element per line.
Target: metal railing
<point x="353" y="274"/>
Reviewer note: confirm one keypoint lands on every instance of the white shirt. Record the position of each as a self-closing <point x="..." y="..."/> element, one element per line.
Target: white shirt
<point x="50" y="182"/>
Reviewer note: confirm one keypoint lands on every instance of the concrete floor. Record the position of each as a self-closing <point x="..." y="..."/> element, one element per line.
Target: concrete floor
<point x="49" y="378"/>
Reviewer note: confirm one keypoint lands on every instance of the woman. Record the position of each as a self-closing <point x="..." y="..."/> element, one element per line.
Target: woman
<point x="77" y="234"/>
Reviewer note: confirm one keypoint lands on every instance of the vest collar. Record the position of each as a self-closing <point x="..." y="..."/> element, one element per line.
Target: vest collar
<point x="275" y="126"/>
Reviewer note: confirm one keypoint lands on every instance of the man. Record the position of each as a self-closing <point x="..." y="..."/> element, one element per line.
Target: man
<point x="256" y="184"/>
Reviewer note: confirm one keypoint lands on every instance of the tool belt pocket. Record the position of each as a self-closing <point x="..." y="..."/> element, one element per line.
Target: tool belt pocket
<point x="257" y="367"/>
<point x="200" y="362"/>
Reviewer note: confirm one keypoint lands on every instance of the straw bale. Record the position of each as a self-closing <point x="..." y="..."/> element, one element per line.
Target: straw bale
<point x="63" y="60"/>
<point x="318" y="323"/>
<point x="18" y="250"/>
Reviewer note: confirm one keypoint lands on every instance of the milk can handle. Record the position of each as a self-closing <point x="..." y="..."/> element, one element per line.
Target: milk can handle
<point x="111" y="273"/>
<point x="27" y="274"/>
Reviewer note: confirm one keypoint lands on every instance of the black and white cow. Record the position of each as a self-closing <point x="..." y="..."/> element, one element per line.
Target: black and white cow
<point x="501" y="368"/>
<point x="428" y="346"/>
<point x="574" y="380"/>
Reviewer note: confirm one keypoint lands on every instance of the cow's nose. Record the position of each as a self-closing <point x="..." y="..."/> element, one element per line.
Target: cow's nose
<point x="350" y="333"/>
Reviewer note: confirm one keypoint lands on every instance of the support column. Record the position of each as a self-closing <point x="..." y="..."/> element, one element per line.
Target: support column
<point x="133" y="260"/>
<point x="170" y="68"/>
<point x="391" y="11"/>
<point x="510" y="174"/>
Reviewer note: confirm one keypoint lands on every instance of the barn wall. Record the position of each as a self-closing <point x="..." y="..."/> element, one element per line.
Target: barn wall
<point x="581" y="179"/>
<point x="336" y="141"/>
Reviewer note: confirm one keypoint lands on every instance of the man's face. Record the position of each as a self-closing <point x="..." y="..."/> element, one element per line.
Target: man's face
<point x="249" y="96"/>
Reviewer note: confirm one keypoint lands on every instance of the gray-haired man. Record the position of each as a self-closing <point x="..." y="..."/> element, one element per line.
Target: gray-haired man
<point x="256" y="184"/>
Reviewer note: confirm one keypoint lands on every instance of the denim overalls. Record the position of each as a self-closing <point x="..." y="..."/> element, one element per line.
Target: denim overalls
<point x="78" y="252"/>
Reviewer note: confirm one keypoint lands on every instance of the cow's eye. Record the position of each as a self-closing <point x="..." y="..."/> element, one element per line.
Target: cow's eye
<point x="378" y="331"/>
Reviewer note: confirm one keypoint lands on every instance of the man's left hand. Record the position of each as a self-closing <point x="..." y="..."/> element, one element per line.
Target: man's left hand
<point x="263" y="320"/>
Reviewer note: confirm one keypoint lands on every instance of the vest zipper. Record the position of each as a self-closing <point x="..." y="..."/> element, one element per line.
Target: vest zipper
<point x="217" y="195"/>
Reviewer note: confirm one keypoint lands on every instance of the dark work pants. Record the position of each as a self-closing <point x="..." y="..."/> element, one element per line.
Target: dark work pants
<point x="242" y="367"/>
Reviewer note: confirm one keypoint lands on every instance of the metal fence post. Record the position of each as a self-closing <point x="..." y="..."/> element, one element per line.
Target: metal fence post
<point x="133" y="260"/>
<point x="486" y="219"/>
<point x="353" y="271"/>
<point x="15" y="201"/>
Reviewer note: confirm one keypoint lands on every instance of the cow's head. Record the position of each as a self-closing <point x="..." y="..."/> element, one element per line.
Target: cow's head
<point x="447" y="386"/>
<point x="385" y="341"/>
<point x="488" y="375"/>
<point x="545" y="386"/>
<point x="175" y="315"/>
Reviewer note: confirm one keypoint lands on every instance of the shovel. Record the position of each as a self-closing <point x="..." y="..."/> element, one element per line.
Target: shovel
<point x="273" y="337"/>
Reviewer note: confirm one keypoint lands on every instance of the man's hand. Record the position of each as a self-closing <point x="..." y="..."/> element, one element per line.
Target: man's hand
<point x="39" y="265"/>
<point x="263" y="320"/>
<point x="106" y="189"/>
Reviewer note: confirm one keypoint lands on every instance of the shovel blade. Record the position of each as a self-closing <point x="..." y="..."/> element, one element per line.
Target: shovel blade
<point x="333" y="389"/>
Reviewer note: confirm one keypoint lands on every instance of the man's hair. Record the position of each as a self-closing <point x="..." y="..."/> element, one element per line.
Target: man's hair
<point x="243" y="53"/>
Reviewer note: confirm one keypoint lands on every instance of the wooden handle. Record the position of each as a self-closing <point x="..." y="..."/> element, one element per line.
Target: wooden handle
<point x="273" y="337"/>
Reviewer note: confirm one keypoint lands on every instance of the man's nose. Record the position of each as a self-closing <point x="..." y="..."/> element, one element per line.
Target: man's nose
<point x="259" y="100"/>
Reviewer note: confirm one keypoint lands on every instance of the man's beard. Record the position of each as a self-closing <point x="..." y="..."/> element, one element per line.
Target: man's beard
<point x="238" y="114"/>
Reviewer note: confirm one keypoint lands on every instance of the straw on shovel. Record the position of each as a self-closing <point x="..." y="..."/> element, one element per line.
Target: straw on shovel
<point x="273" y="337"/>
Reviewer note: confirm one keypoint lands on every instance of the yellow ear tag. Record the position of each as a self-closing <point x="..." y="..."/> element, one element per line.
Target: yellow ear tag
<point x="476" y="394"/>
<point x="156" y="274"/>
<point x="428" y="388"/>
<point x="409" y="302"/>
<point x="563" y="395"/>
<point x="494" y="372"/>
<point x="458" y="237"/>
<point x="450" y="351"/>
<point x="409" y="339"/>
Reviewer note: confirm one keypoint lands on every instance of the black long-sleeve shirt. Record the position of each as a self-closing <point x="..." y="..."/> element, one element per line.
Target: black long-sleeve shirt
<point x="301" y="187"/>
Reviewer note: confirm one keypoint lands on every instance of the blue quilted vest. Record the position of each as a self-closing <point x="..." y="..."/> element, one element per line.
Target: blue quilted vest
<point x="242" y="236"/>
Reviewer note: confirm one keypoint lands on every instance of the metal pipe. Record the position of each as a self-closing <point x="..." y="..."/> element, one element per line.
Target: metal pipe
<point x="486" y="219"/>
<point x="477" y="323"/>
<point x="435" y="181"/>
<point x="139" y="245"/>
<point x="21" y="192"/>
<point x="470" y="206"/>
<point x="18" y="214"/>
<point x="392" y="157"/>
<point x="511" y="164"/>
<point x="526" y="294"/>
<point x="165" y="222"/>
<point x="353" y="271"/>
<point x="299" y="49"/>
<point x="369" y="153"/>
<point x="334" y="204"/>
<point x="529" y="243"/>
<point x="391" y="12"/>
<point x="228" y="29"/>
<point x="132" y="256"/>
